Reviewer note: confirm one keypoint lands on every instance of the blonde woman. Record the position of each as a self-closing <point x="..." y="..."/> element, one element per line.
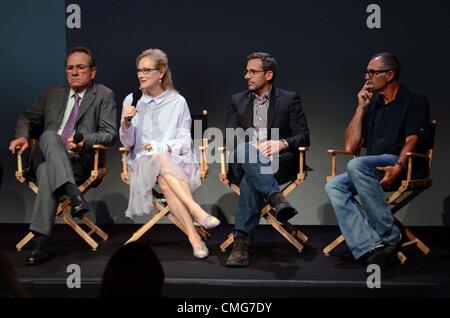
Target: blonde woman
<point x="157" y="131"/>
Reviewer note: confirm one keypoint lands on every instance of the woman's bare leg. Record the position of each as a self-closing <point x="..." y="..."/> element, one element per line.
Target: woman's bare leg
<point x="180" y="212"/>
<point x="198" y="215"/>
<point x="183" y="192"/>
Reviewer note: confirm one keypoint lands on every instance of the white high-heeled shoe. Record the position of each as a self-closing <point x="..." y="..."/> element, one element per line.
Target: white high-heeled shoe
<point x="210" y="222"/>
<point x="200" y="252"/>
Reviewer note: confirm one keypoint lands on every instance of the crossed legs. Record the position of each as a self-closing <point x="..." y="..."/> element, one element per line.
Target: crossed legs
<point x="182" y="206"/>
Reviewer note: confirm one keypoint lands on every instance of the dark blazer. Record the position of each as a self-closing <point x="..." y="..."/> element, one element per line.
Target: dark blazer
<point x="285" y="113"/>
<point x="96" y="118"/>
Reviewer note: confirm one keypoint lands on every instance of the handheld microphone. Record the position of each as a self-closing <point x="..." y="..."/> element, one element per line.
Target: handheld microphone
<point x="137" y="94"/>
<point x="78" y="137"/>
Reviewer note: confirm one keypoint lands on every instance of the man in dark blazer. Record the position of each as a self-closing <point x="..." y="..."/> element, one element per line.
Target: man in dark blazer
<point x="59" y="161"/>
<point x="266" y="155"/>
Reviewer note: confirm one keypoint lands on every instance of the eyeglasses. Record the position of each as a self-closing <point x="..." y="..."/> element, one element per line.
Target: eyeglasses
<point x="371" y="73"/>
<point x="78" y="67"/>
<point x="145" y="70"/>
<point x="252" y="72"/>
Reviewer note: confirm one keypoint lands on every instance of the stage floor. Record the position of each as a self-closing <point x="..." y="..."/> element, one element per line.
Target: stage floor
<point x="277" y="269"/>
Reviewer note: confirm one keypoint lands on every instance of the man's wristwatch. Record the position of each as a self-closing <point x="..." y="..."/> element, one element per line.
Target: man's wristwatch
<point x="286" y="144"/>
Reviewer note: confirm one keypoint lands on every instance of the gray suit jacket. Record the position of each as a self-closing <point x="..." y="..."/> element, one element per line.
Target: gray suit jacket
<point x="96" y="118"/>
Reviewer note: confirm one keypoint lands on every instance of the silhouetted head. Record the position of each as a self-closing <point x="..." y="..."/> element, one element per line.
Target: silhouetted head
<point x="134" y="271"/>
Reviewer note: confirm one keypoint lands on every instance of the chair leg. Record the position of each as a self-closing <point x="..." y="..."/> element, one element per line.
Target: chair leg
<point x="295" y="232"/>
<point x="86" y="237"/>
<point x="147" y="226"/>
<point x="203" y="233"/>
<point x="401" y="257"/>
<point x="272" y="221"/>
<point x="415" y="240"/>
<point x="24" y="241"/>
<point x="227" y="242"/>
<point x="333" y="244"/>
<point x="94" y="228"/>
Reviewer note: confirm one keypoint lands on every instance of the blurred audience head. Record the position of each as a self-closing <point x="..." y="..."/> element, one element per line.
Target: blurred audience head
<point x="10" y="287"/>
<point x="134" y="271"/>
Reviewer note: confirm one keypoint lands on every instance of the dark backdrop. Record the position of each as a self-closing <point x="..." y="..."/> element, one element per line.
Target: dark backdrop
<point x="321" y="48"/>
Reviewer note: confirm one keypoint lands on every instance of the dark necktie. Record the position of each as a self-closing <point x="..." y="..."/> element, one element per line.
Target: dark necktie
<point x="70" y="124"/>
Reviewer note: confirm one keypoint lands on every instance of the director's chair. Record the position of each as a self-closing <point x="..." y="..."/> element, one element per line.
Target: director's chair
<point x="407" y="191"/>
<point x="296" y="237"/>
<point x="97" y="173"/>
<point x="159" y="201"/>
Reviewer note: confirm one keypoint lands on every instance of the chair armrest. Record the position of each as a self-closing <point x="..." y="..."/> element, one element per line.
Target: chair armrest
<point x="415" y="154"/>
<point x="223" y="172"/>
<point x="97" y="170"/>
<point x="20" y="174"/>
<point x="339" y="152"/>
<point x="302" y="162"/>
<point x="222" y="151"/>
<point x="410" y="156"/>
<point x="333" y="153"/>
<point x="97" y="146"/>
<point x="203" y="159"/>
<point x="124" y="174"/>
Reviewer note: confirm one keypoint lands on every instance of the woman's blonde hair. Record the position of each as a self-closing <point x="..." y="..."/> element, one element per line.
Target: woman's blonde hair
<point x="161" y="62"/>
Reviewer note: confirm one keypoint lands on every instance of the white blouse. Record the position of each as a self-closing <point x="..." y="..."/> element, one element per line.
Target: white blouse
<point x="164" y="119"/>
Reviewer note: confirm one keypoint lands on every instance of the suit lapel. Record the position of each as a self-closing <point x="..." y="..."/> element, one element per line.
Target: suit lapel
<point x="61" y="103"/>
<point x="273" y="107"/>
<point x="87" y="101"/>
<point x="249" y="110"/>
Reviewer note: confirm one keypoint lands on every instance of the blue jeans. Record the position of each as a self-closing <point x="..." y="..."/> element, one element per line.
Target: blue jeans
<point x="370" y="223"/>
<point x="255" y="188"/>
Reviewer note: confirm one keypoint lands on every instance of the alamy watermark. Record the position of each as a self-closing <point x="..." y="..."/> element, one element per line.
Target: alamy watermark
<point x="374" y="278"/>
<point x="74" y="278"/>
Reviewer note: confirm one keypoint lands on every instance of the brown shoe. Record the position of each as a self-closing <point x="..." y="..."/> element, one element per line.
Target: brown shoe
<point x="240" y="255"/>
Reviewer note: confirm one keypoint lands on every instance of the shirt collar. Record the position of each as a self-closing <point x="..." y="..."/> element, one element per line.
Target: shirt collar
<point x="401" y="93"/>
<point x="264" y="97"/>
<point x="81" y="94"/>
<point x="157" y="100"/>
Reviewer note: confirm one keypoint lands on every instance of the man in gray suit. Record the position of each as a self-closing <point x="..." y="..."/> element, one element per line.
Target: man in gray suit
<point x="68" y="120"/>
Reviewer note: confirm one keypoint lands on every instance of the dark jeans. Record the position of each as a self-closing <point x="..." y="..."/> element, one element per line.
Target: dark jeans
<point x="258" y="182"/>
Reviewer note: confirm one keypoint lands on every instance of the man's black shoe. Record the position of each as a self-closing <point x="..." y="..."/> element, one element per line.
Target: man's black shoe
<point x="383" y="255"/>
<point x="283" y="209"/>
<point x="79" y="206"/>
<point x="240" y="255"/>
<point x="40" y="252"/>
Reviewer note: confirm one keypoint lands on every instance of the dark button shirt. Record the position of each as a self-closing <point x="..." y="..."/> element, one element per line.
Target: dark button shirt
<point x="386" y="127"/>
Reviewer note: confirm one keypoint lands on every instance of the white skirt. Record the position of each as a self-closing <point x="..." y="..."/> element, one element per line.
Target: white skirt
<point x="143" y="174"/>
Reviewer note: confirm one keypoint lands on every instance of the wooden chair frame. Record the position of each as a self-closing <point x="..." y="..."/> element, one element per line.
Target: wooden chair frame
<point x="98" y="172"/>
<point x="408" y="190"/>
<point x="296" y="237"/>
<point x="161" y="205"/>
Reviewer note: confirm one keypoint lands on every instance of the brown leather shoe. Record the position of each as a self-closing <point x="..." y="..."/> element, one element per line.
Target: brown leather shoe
<point x="240" y="255"/>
